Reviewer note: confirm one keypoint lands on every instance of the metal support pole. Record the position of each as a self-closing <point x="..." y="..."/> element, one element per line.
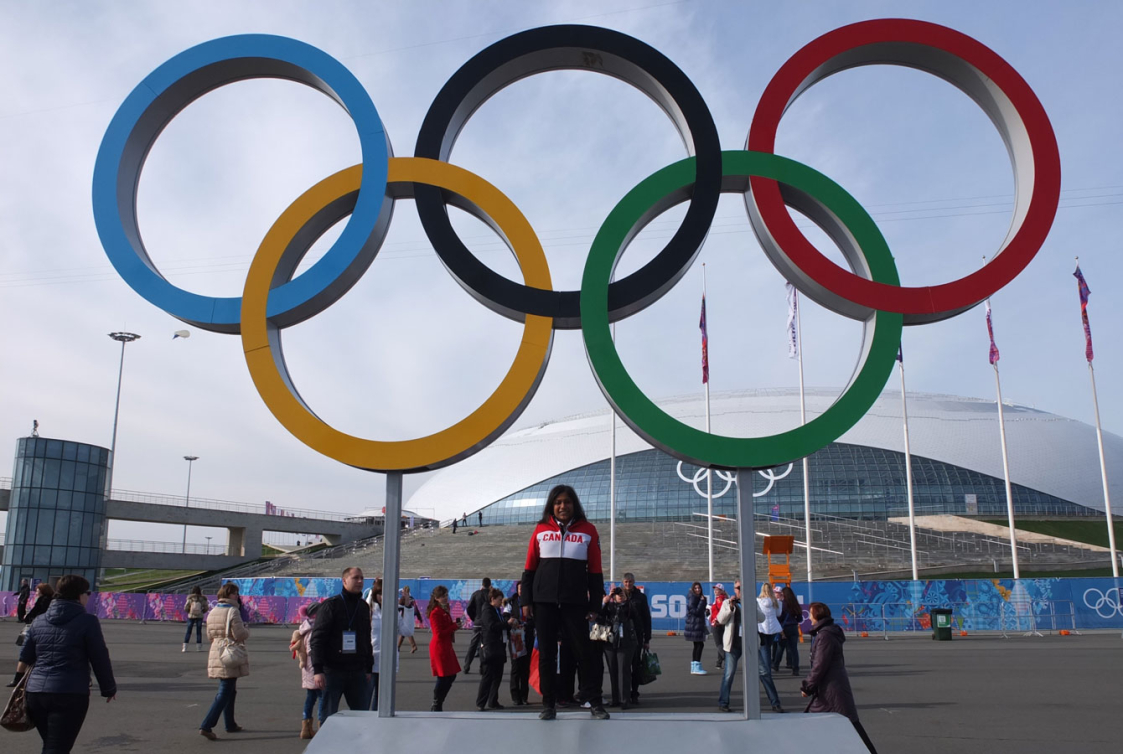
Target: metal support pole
<point x="750" y="642"/>
<point x="1006" y="475"/>
<point x="187" y="500"/>
<point x="803" y="421"/>
<point x="908" y="474"/>
<point x="1103" y="475"/>
<point x="391" y="561"/>
<point x="709" y="472"/>
<point x="612" y="491"/>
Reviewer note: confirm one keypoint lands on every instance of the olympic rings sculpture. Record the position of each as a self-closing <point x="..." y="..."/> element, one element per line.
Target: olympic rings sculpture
<point x="870" y="291"/>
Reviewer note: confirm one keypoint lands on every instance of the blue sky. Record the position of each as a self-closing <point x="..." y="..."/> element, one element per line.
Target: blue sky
<point x="407" y="352"/>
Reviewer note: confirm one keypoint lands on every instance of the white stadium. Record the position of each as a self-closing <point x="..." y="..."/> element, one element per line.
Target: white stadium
<point x="954" y="443"/>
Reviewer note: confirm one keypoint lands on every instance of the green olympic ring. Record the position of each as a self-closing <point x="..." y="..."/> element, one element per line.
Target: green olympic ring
<point x="826" y="203"/>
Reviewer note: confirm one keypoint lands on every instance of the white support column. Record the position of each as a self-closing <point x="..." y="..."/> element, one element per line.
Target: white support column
<point x="391" y="561"/>
<point x="746" y="548"/>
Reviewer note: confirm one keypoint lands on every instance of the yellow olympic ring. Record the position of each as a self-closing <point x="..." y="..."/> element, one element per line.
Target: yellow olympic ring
<point x="281" y="250"/>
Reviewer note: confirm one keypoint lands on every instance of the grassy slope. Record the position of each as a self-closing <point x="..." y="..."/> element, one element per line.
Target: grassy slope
<point x="1092" y="532"/>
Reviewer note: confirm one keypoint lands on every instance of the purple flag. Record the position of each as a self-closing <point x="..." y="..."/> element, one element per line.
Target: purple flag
<point x="1085" y="292"/>
<point x="990" y="331"/>
<point x="705" y="344"/>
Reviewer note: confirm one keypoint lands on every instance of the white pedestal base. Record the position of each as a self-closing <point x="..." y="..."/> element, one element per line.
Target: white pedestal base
<point x="627" y="732"/>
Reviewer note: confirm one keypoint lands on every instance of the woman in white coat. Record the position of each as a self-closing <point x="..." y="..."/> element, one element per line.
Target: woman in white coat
<point x="374" y="599"/>
<point x="769" y="630"/>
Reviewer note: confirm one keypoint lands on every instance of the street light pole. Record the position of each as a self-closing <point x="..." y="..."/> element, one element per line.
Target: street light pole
<point x="208" y="544"/>
<point x="122" y="338"/>
<point x="187" y="500"/>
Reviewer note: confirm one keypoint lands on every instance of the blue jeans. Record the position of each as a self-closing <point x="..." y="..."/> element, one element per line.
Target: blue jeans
<point x="732" y="657"/>
<point x="764" y="668"/>
<point x="198" y="624"/>
<point x="223" y="704"/>
<point x="349" y="684"/>
<point x="310" y="697"/>
<point x="788" y="641"/>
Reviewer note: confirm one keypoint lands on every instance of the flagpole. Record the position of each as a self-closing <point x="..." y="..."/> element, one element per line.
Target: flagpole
<point x="1005" y="456"/>
<point x="908" y="469"/>
<point x="1103" y="475"/>
<point x="803" y="421"/>
<point x="612" y="491"/>
<point x="709" y="472"/>
<point x="1084" y="293"/>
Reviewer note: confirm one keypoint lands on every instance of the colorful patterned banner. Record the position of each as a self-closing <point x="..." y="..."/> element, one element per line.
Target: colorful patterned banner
<point x="874" y="606"/>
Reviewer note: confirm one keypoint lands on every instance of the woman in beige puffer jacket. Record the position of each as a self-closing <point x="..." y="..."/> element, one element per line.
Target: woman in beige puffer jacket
<point x="223" y="705"/>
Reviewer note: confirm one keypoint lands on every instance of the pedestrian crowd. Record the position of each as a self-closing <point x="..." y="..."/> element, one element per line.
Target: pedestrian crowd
<point x="559" y="608"/>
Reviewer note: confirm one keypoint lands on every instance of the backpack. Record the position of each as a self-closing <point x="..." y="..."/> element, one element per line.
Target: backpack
<point x="198" y="608"/>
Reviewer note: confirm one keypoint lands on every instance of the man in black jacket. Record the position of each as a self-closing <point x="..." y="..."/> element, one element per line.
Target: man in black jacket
<point x="24" y="596"/>
<point x="476" y="603"/>
<point x="643" y="629"/>
<point x="342" y="655"/>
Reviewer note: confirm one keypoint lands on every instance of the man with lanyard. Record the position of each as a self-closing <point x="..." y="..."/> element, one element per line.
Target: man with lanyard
<point x="342" y="655"/>
<point x="476" y="603"/>
<point x="643" y="629"/>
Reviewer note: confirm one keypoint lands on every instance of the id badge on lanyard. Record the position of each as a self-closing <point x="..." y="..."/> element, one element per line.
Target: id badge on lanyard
<point x="348" y="643"/>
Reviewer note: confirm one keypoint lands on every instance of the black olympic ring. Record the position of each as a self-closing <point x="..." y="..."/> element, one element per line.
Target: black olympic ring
<point x="586" y="48"/>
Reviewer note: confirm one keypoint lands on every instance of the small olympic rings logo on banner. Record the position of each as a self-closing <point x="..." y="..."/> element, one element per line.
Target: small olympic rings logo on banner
<point x="1104" y="599"/>
<point x="274" y="299"/>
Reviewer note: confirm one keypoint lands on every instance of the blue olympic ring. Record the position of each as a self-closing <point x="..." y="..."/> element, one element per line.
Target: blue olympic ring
<point x="173" y="86"/>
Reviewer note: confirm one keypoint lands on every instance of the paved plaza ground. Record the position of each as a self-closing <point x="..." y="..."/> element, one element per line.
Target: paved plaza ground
<point x="980" y="693"/>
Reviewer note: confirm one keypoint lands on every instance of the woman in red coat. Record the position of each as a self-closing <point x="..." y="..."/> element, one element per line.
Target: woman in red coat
<point x="442" y="657"/>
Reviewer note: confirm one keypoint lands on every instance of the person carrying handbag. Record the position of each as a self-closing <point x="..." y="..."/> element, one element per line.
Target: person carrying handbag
<point x="60" y="649"/>
<point x="228" y="659"/>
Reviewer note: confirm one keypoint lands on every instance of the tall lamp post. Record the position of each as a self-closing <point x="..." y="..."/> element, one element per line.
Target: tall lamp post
<point x="123" y="338"/>
<point x="208" y="545"/>
<point x="187" y="500"/>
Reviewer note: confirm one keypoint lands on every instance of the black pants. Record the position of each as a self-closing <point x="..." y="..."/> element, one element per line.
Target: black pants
<point x="491" y="676"/>
<point x="520" y="671"/>
<point x="473" y="648"/>
<point x="696" y="655"/>
<point x="565" y="687"/>
<point x="553" y="622"/>
<point x="637" y="661"/>
<point x="58" y="718"/>
<point x="442" y="687"/>
<point x="719" y="642"/>
<point x="620" y="659"/>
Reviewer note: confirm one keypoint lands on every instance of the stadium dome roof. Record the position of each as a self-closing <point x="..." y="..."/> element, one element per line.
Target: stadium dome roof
<point x="1048" y="453"/>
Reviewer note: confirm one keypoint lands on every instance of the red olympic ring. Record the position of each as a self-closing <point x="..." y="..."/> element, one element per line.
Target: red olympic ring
<point x="981" y="74"/>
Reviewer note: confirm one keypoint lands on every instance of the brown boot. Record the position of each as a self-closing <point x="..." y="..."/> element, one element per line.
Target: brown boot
<point x="306" y="729"/>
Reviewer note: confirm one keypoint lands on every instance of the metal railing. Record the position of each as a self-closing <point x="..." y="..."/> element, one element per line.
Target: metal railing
<point x="138" y="545"/>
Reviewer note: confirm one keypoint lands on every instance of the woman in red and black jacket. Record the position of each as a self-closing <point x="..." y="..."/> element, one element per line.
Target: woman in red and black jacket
<point x="564" y="583"/>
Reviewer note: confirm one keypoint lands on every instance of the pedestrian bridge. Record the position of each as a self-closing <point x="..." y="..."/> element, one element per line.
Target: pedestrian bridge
<point x="245" y="523"/>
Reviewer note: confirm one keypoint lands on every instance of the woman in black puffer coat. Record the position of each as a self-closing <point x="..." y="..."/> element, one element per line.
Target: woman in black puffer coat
<point x="695" y="630"/>
<point x="60" y="649"/>
<point x="828" y="684"/>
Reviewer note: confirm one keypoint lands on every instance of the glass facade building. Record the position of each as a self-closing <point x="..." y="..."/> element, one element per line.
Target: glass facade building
<point x="851" y="481"/>
<point x="57" y="511"/>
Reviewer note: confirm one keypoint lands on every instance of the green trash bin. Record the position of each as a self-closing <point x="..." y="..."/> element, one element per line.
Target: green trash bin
<point x="941" y="623"/>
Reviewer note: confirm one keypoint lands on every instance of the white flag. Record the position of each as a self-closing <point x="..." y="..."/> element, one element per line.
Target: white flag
<point x="793" y="304"/>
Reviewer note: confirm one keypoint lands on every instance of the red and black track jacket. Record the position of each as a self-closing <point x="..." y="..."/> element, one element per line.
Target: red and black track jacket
<point x="563" y="565"/>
